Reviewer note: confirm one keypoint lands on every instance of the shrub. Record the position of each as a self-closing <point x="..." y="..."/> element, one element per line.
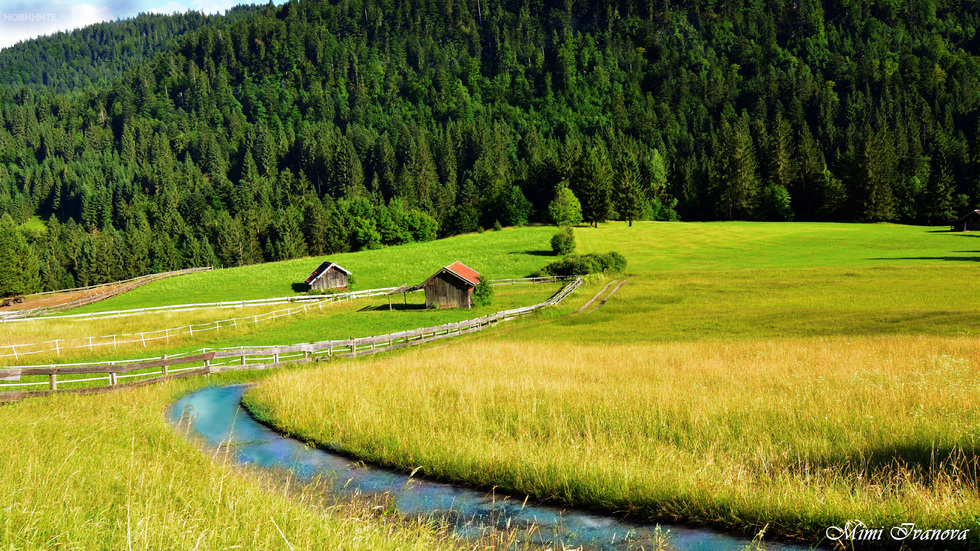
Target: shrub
<point x="585" y="264"/>
<point x="563" y="242"/>
<point x="483" y="293"/>
<point x="497" y="226"/>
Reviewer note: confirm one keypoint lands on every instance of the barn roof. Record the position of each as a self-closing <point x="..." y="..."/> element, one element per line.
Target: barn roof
<point x="461" y="271"/>
<point x="323" y="268"/>
<point x="969" y="214"/>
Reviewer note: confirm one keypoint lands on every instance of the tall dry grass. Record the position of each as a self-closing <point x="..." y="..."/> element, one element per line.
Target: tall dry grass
<point x="796" y="434"/>
<point x="107" y="472"/>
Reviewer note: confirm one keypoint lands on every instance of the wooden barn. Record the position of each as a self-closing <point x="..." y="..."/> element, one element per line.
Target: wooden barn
<point x="329" y="276"/>
<point x="451" y="287"/>
<point x="968" y="222"/>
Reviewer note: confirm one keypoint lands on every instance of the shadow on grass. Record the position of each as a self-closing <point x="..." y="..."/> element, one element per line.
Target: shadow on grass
<point x="394" y="306"/>
<point x="923" y="464"/>
<point x="534" y="253"/>
<point x="943" y="258"/>
<point x="300" y="287"/>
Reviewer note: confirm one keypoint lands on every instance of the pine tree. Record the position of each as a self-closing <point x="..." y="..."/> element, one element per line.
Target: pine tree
<point x="593" y="184"/>
<point x="19" y="268"/>
<point x="627" y="189"/>
<point x="737" y="182"/>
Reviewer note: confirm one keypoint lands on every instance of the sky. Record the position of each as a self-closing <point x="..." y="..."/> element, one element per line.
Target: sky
<point x="26" y="19"/>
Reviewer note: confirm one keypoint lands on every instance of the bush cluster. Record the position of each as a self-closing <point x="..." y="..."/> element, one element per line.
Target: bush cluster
<point x="585" y="264"/>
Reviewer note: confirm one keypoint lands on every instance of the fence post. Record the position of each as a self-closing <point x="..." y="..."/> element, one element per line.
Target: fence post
<point x="243" y="355"/>
<point x="57" y="349"/>
<point x="14" y="348"/>
<point x="165" y="370"/>
<point x="90" y="344"/>
<point x="142" y="338"/>
<point x="353" y="347"/>
<point x="207" y="365"/>
<point x="191" y="328"/>
<point x="53" y="381"/>
<point x="275" y="357"/>
<point x="112" y="379"/>
<point x="168" y="340"/>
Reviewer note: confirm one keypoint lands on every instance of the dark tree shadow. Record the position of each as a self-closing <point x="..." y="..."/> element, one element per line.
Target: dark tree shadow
<point x="943" y="258"/>
<point x="926" y="465"/>
<point x="394" y="306"/>
<point x="534" y="253"/>
<point x="300" y="287"/>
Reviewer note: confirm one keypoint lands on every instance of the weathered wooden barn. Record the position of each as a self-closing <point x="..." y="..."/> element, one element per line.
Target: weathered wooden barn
<point x="968" y="222"/>
<point x="451" y="287"/>
<point x="329" y="276"/>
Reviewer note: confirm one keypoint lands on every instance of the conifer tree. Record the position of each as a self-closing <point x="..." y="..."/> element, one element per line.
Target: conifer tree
<point x="19" y="268"/>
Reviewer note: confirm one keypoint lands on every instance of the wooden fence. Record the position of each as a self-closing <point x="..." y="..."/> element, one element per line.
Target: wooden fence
<point x="308" y="302"/>
<point x="113" y="290"/>
<point x="231" y="359"/>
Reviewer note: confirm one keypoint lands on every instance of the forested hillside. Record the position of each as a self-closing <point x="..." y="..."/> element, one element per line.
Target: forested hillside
<point x="72" y="61"/>
<point x="327" y="126"/>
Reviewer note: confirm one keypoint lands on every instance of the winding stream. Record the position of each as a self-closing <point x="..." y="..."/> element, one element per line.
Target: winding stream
<point x="216" y="415"/>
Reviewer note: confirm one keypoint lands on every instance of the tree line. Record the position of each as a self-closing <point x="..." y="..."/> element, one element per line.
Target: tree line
<point x="318" y="127"/>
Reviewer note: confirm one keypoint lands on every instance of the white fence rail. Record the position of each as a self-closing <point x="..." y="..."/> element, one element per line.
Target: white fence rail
<point x="256" y="357"/>
<point x="310" y="302"/>
<point x="113" y="290"/>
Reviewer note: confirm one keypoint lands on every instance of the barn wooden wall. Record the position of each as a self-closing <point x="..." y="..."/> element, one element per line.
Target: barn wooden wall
<point x="446" y="291"/>
<point x="333" y="279"/>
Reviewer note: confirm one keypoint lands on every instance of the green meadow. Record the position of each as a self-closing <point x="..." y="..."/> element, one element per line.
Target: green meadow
<point x="786" y="377"/>
<point x="356" y="318"/>
<point x="512" y="253"/>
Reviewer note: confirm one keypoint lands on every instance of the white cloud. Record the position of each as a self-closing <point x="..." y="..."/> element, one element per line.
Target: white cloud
<point x="24" y="21"/>
<point x="216" y="6"/>
<point x="172" y="7"/>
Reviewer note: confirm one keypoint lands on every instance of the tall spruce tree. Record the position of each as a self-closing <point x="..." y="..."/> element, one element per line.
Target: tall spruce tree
<point x="19" y="269"/>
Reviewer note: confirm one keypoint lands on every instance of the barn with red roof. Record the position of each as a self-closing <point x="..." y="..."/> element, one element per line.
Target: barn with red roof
<point x="451" y="287"/>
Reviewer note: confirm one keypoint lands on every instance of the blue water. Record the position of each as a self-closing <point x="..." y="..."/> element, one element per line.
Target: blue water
<point x="216" y="415"/>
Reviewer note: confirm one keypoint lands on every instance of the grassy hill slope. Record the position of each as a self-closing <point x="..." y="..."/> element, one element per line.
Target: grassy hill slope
<point x="514" y="252"/>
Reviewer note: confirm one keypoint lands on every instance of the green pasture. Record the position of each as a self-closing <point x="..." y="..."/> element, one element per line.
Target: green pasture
<point x="657" y="247"/>
<point x="510" y="253"/>
<point x="358" y="318"/>
<point x="746" y="375"/>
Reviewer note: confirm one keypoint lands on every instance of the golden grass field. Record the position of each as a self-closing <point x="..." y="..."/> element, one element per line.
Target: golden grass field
<point x="796" y="434"/>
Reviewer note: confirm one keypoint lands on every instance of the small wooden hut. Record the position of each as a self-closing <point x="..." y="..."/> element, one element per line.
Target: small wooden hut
<point x="968" y="222"/>
<point x="451" y="287"/>
<point x="329" y="276"/>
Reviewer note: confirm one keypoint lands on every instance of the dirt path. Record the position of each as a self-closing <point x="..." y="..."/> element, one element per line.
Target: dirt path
<point x="609" y="296"/>
<point x="596" y="297"/>
<point x="57" y="299"/>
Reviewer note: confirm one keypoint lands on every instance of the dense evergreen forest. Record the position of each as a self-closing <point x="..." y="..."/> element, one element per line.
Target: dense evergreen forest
<point x="323" y="126"/>
<point x="73" y="61"/>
